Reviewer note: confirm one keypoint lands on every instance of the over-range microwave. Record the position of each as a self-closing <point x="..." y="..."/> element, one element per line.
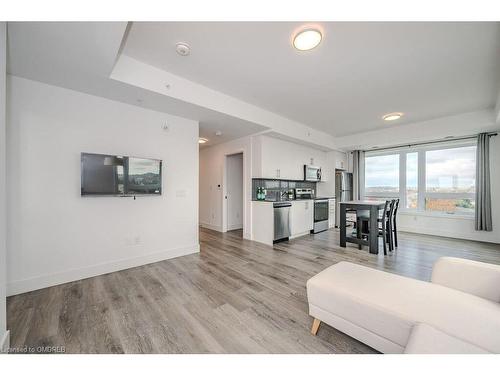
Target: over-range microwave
<point x="312" y="173"/>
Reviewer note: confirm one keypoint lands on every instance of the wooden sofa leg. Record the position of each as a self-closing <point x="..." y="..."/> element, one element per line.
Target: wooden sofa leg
<point x="315" y="326"/>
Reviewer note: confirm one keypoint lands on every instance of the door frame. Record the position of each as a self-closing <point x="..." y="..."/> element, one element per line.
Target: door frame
<point x="244" y="192"/>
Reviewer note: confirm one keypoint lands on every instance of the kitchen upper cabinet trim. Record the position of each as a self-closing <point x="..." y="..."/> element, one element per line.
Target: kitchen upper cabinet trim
<point x="276" y="158"/>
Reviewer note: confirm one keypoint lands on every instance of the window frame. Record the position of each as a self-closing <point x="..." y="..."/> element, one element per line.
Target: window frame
<point x="422" y="193"/>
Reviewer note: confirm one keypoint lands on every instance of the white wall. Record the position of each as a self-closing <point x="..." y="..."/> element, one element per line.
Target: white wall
<point x="3" y="242"/>
<point x="234" y="182"/>
<point x="212" y="183"/>
<point x="54" y="234"/>
<point x="462" y="227"/>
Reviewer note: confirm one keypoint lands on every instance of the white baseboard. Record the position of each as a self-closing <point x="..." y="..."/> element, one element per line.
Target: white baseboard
<point x="44" y="281"/>
<point x="300" y="234"/>
<point x="235" y="226"/>
<point x="443" y="233"/>
<point x="5" y="343"/>
<point x="217" y="228"/>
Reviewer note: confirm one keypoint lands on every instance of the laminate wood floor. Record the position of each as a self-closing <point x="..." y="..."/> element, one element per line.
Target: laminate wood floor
<point x="235" y="296"/>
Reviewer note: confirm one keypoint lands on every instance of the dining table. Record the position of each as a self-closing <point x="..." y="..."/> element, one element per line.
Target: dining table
<point x="362" y="208"/>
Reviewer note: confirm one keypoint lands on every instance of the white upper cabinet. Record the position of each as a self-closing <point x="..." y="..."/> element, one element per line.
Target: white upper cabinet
<point x="285" y="160"/>
<point x="341" y="161"/>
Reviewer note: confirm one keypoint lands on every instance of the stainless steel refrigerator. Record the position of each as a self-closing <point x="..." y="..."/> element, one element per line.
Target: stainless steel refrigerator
<point x="343" y="191"/>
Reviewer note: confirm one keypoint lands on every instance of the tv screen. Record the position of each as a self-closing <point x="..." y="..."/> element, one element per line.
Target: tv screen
<point x="119" y="175"/>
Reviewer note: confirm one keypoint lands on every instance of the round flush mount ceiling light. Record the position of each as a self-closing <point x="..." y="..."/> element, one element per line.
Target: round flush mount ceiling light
<point x="392" y="116"/>
<point x="182" y="48"/>
<point x="306" y="39"/>
<point x="202" y="141"/>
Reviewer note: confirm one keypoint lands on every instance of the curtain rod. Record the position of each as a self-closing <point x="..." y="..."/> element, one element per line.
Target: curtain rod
<point x="491" y="134"/>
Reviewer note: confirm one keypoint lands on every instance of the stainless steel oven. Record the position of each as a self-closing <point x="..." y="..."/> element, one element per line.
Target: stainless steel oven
<point x="321" y="211"/>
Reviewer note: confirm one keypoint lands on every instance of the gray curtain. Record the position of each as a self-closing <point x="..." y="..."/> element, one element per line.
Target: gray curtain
<point x="483" y="191"/>
<point x="357" y="172"/>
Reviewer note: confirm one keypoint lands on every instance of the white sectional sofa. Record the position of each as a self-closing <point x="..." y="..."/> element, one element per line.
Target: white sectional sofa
<point x="457" y="312"/>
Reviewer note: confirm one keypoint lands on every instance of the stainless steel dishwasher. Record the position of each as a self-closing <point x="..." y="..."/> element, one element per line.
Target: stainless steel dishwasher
<point x="281" y="221"/>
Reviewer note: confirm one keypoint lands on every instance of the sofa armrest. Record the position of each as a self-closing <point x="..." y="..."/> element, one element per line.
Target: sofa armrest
<point x="478" y="278"/>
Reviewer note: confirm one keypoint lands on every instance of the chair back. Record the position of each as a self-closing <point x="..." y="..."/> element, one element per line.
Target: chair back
<point x="392" y="207"/>
<point x="396" y="205"/>
<point x="387" y="208"/>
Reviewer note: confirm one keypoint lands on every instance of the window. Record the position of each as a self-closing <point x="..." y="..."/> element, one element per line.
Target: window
<point x="382" y="176"/>
<point x="450" y="179"/>
<point x="432" y="178"/>
<point x="412" y="180"/>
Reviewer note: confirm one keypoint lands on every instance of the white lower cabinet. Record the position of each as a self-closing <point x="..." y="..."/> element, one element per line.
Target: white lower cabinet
<point x="301" y="217"/>
<point x="263" y="222"/>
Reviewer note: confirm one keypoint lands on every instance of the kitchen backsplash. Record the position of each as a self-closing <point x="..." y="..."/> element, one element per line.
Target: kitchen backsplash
<point x="275" y="188"/>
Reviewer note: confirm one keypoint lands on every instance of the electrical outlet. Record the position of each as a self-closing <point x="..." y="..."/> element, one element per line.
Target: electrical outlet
<point x="180" y="193"/>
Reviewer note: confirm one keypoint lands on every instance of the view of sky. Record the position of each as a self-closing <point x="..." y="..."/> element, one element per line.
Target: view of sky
<point x="445" y="169"/>
<point x="382" y="171"/>
<point x="454" y="167"/>
<point x="142" y="166"/>
<point x="412" y="170"/>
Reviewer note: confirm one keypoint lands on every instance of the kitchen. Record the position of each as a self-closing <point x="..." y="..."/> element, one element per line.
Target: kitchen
<point x="276" y="160"/>
<point x="293" y="189"/>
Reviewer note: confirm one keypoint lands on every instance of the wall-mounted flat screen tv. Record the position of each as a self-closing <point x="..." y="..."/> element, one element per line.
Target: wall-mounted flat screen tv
<point x="119" y="175"/>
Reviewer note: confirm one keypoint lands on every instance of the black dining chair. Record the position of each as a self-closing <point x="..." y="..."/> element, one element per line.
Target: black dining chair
<point x="389" y="228"/>
<point x="385" y="229"/>
<point x="361" y="217"/>
<point x="394" y="226"/>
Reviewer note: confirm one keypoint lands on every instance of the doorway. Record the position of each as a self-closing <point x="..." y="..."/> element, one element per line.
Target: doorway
<point x="234" y="193"/>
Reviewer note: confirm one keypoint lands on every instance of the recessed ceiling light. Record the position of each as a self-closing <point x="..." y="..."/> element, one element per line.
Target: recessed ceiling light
<point x="182" y="48"/>
<point x="392" y="116"/>
<point x="307" y="39"/>
<point x="218" y="133"/>
<point x="202" y="140"/>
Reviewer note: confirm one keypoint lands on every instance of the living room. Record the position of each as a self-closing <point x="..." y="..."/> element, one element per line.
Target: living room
<point x="278" y="186"/>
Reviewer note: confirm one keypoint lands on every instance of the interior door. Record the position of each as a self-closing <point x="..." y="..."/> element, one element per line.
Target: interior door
<point x="234" y="191"/>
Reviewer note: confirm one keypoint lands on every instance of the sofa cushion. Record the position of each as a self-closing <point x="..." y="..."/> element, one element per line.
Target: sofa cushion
<point x="425" y="339"/>
<point x="469" y="276"/>
<point x="390" y="305"/>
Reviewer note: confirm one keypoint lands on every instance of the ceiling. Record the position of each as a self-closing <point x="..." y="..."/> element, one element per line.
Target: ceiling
<point x="81" y="56"/>
<point x="359" y="72"/>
